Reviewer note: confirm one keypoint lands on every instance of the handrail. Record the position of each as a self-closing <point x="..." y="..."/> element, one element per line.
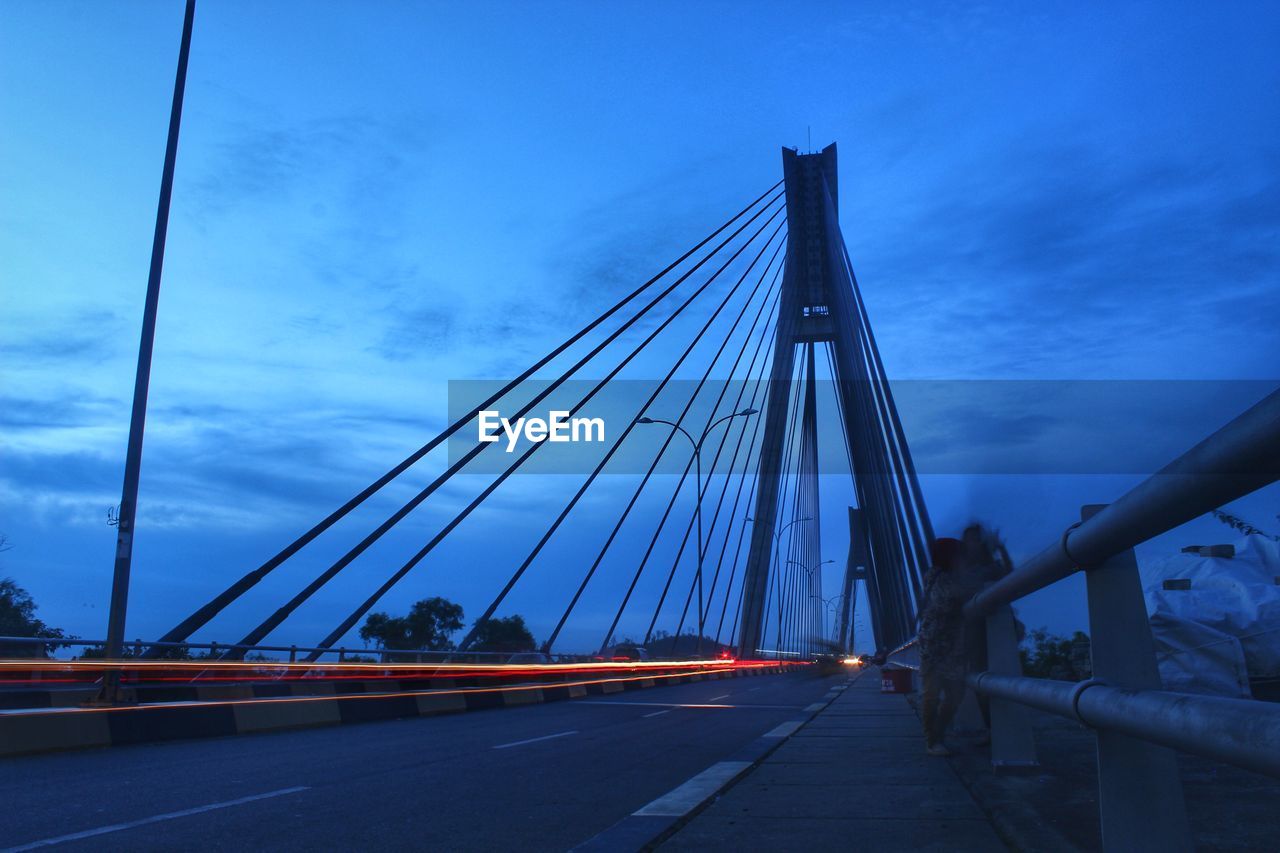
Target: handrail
<point x="1132" y="716"/>
<point x="1240" y="458"/>
<point x="1243" y="732"/>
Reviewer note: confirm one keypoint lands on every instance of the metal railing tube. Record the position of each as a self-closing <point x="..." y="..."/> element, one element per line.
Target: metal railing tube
<point x="1242" y="732"/>
<point x="1240" y="458"/>
<point x="1056" y="697"/>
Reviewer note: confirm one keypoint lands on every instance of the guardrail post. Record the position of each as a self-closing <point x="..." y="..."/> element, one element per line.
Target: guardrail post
<point x="1139" y="789"/>
<point x="293" y="654"/>
<point x="1013" y="744"/>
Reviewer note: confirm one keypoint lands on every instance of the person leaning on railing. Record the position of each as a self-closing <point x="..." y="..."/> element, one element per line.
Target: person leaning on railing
<point x="961" y="568"/>
<point x="985" y="559"/>
<point x="941" y="640"/>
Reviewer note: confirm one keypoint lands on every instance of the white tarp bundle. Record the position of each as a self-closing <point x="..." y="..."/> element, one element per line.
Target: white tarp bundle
<point x="1224" y="629"/>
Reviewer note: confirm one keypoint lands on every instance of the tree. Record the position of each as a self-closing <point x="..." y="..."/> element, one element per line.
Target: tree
<point x="508" y="634"/>
<point x="18" y="619"/>
<point x="664" y="645"/>
<point x="1059" y="658"/>
<point x="426" y="628"/>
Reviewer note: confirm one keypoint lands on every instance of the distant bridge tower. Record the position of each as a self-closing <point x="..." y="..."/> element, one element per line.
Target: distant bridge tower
<point x="855" y="570"/>
<point x="820" y="304"/>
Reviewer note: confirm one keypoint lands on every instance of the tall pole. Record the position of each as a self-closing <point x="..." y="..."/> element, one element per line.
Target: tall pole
<point x="814" y="578"/>
<point x="697" y="461"/>
<point x="137" y="421"/>
<point x="777" y="556"/>
<point x="698" y="490"/>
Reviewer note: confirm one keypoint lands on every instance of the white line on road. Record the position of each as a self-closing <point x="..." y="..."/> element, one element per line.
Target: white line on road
<point x="534" y="740"/>
<point x="815" y="707"/>
<point x="117" y="827"/>
<point x="658" y="713"/>
<point x="685" y="798"/>
<point x="718" y="698"/>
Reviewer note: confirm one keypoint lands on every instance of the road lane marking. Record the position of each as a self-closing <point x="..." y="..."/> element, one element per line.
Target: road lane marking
<point x="534" y="740"/>
<point x="718" y="698"/>
<point x="784" y="729"/>
<point x="658" y="713"/>
<point x="117" y="827"/>
<point x="815" y="707"/>
<point x="688" y="796"/>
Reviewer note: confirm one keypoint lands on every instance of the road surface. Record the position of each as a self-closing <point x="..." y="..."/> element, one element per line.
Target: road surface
<point x="542" y="777"/>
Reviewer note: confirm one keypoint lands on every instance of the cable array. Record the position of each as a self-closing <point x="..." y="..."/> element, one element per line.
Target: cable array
<point x="720" y="310"/>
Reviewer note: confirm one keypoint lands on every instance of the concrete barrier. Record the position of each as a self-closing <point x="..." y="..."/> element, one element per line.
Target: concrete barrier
<point x="220" y="710"/>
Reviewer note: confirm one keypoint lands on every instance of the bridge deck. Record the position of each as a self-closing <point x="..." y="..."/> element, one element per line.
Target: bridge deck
<point x="855" y="777"/>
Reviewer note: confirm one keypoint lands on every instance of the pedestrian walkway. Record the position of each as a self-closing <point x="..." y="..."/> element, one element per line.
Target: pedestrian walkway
<point x="855" y="777"/>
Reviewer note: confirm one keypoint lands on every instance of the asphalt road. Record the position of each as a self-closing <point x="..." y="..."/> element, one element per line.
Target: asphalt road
<point x="543" y="777"/>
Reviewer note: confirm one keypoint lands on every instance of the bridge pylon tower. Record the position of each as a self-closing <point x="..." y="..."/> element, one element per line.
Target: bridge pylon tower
<point x="820" y="305"/>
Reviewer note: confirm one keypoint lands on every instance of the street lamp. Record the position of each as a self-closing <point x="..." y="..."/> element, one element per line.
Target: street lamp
<point x="777" y="541"/>
<point x="809" y="572"/>
<point x="697" y="459"/>
<point x="831" y="605"/>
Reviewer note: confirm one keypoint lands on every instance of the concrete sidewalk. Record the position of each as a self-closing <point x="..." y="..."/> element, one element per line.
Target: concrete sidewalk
<point x="855" y="777"/>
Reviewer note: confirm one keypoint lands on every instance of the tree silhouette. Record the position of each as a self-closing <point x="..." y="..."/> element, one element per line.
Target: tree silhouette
<point x="18" y="619"/>
<point x="508" y="634"/>
<point x="1047" y="655"/>
<point x="426" y="628"/>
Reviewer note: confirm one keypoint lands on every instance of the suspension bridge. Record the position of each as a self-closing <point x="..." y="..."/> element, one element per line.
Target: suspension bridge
<point x="775" y="287"/>
<point x="716" y="539"/>
<point x="733" y="556"/>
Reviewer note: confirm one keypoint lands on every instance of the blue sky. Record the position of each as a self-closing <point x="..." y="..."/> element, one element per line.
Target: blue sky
<point x="372" y="199"/>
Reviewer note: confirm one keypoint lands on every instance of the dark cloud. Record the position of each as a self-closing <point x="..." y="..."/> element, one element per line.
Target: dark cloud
<point x="85" y="337"/>
<point x="409" y="332"/>
<point x="337" y="161"/>
<point x="75" y="473"/>
<point x="1066" y="254"/>
<point x="77" y="410"/>
<point x="1060" y="427"/>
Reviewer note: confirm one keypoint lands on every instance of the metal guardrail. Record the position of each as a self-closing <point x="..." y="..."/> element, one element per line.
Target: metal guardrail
<point x="1137" y="722"/>
<point x="48" y="644"/>
<point x="1227" y="730"/>
<point x="1240" y="458"/>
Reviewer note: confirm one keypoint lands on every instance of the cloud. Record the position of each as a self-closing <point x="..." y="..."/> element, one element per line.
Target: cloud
<point x="346" y="159"/>
<point x="88" y="336"/>
<point x="409" y="332"/>
<point x="25" y="413"/>
<point x="1068" y="257"/>
<point x="1052" y="427"/>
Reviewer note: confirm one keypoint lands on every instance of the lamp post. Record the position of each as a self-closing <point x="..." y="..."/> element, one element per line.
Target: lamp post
<point x="809" y="572"/>
<point x="697" y="461"/>
<point x="830" y="605"/>
<point x="110" y="692"/>
<point x="777" y="541"/>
